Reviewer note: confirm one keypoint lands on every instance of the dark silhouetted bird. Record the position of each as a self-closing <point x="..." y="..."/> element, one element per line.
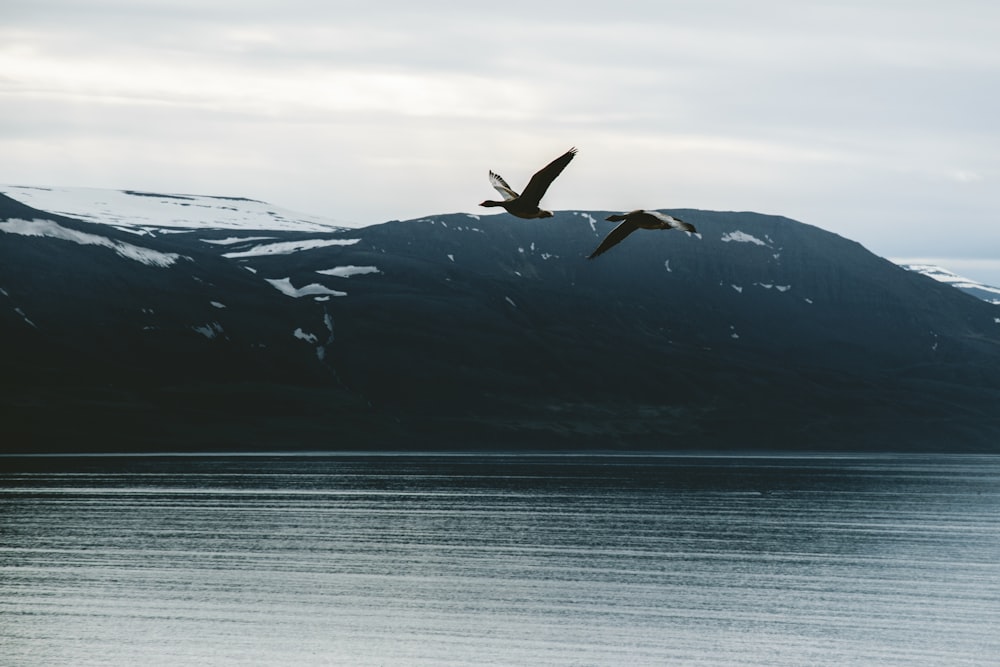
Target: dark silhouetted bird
<point x="525" y="205"/>
<point x="640" y="219"/>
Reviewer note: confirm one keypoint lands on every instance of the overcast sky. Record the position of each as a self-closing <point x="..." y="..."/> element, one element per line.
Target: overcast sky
<point x="875" y="119"/>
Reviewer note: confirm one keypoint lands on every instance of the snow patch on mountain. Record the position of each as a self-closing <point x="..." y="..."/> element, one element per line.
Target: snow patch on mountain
<point x="742" y="237"/>
<point x="977" y="289"/>
<point x="302" y="335"/>
<point x="284" y="285"/>
<point x="288" y="247"/>
<point x="25" y="317"/>
<point x="48" y="228"/>
<point x="589" y="218"/>
<point x="135" y="209"/>
<point x="232" y="240"/>
<point x="348" y="271"/>
<point x="210" y="331"/>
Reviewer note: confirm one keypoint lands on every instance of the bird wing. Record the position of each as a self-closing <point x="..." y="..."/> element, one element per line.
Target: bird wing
<point x="615" y="237"/>
<point x="502" y="187"/>
<point x="675" y="223"/>
<point x="543" y="178"/>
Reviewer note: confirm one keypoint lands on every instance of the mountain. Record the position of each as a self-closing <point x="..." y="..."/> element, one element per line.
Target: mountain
<point x="274" y="332"/>
<point x="975" y="288"/>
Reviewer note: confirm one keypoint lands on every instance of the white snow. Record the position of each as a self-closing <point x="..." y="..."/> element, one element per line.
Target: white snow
<point x="308" y="337"/>
<point x="321" y="349"/>
<point x="473" y="216"/>
<point x="737" y="288"/>
<point x="138" y="231"/>
<point x="741" y="237"/>
<point x="231" y="240"/>
<point x="451" y="257"/>
<point x="25" y="317"/>
<point x="217" y="304"/>
<point x="137" y="209"/>
<point x="589" y="218"/>
<point x="288" y="247"/>
<point x="782" y="288"/>
<point x="349" y="270"/>
<point x="55" y="230"/>
<point x="945" y="276"/>
<point x="936" y="272"/>
<point x="209" y="330"/>
<point x="510" y="301"/>
<point x="666" y="265"/>
<point x="284" y="285"/>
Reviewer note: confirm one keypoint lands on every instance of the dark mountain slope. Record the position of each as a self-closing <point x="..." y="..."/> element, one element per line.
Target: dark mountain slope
<point x="464" y="332"/>
<point x="804" y="336"/>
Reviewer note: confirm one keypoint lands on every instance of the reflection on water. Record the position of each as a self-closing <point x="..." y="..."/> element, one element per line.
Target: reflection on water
<point x="557" y="560"/>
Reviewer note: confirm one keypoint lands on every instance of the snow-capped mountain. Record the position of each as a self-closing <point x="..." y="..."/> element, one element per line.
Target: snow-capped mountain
<point x="148" y="212"/>
<point x="973" y="287"/>
<point x="463" y="331"/>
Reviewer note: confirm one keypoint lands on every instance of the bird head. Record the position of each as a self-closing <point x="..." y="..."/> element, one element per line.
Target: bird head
<point x="686" y="226"/>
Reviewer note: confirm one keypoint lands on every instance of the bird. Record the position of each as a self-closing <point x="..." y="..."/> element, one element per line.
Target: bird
<point x="525" y="205"/>
<point x="638" y="219"/>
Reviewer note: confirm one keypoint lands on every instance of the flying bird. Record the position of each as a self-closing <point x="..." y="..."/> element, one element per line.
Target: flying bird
<point x="525" y="205"/>
<point x="639" y="219"/>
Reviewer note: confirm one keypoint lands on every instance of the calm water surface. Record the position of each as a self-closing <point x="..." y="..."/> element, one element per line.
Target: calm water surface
<point x="472" y="560"/>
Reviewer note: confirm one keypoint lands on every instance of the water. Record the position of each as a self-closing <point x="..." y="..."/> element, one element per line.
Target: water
<point x="472" y="560"/>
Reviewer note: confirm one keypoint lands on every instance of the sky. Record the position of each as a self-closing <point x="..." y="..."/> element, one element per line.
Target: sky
<point x="878" y="120"/>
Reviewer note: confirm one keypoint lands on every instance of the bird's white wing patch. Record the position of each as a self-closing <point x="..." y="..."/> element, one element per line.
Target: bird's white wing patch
<point x="670" y="220"/>
<point x="502" y="187"/>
